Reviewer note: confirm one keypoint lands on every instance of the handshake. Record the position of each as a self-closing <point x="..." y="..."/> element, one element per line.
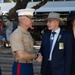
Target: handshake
<point x="39" y="57"/>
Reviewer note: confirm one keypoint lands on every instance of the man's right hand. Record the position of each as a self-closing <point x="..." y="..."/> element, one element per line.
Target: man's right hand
<point x="39" y="58"/>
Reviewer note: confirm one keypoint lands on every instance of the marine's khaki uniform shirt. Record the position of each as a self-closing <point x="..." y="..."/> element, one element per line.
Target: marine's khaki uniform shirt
<point x="21" y="40"/>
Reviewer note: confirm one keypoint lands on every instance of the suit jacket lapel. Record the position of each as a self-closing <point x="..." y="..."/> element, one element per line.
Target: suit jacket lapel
<point x="48" y="41"/>
<point x="58" y="39"/>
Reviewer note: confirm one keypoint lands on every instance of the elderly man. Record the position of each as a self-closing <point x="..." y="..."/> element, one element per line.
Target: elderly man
<point x="56" y="48"/>
<point x="22" y="44"/>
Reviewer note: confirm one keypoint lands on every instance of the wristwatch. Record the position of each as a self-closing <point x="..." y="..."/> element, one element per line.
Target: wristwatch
<point x="37" y="55"/>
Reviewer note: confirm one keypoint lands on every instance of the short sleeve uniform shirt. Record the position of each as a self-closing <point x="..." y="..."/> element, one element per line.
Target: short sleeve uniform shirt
<point x="21" y="40"/>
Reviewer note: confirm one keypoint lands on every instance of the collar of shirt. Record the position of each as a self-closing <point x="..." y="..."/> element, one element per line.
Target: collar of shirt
<point x="25" y="32"/>
<point x="57" y="31"/>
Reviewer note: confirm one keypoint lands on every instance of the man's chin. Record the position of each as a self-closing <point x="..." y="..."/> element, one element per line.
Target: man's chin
<point x="49" y="28"/>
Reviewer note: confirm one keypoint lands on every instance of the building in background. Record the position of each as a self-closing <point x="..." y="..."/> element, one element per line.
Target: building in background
<point x="60" y="6"/>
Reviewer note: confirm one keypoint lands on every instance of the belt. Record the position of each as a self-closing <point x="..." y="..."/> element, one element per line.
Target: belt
<point x="23" y="61"/>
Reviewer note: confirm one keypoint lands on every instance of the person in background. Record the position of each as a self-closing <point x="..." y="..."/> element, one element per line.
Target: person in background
<point x="56" y="48"/>
<point x="22" y="44"/>
<point x="3" y="35"/>
<point x="9" y="27"/>
<point x="0" y="33"/>
<point x="15" y="25"/>
<point x="71" y="24"/>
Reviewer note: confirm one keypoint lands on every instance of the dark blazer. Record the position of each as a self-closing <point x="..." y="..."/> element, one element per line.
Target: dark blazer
<point x="73" y="54"/>
<point x="61" y="58"/>
<point x="73" y="60"/>
<point x="0" y="71"/>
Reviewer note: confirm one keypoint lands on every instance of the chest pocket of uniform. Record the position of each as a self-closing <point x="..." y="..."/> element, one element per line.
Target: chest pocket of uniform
<point x="28" y="43"/>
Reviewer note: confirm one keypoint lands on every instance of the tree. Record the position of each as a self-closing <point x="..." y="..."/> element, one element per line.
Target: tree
<point x="21" y="4"/>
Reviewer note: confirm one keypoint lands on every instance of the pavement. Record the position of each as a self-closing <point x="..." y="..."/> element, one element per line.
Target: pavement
<point x="6" y="61"/>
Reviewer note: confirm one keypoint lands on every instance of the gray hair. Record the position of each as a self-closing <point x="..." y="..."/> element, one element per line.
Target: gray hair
<point x="21" y="17"/>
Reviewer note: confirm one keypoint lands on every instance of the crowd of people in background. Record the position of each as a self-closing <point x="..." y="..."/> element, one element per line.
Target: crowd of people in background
<point x="5" y="30"/>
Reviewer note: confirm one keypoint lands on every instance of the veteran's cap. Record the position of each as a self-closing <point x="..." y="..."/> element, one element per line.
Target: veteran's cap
<point x="26" y="12"/>
<point x="54" y="16"/>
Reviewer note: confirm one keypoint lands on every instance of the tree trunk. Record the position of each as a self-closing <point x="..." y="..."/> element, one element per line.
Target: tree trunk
<point x="21" y="4"/>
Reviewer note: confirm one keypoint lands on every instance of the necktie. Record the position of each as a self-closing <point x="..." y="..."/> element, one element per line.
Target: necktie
<point x="53" y="33"/>
<point x="52" y="38"/>
<point x="51" y="42"/>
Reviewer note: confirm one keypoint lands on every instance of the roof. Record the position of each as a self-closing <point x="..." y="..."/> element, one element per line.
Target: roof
<point x="58" y="6"/>
<point x="50" y="6"/>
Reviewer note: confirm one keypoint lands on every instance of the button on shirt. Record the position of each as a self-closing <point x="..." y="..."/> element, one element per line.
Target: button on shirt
<point x="54" y="41"/>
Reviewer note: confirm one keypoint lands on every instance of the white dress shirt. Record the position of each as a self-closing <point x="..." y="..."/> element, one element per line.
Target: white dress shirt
<point x="54" y="41"/>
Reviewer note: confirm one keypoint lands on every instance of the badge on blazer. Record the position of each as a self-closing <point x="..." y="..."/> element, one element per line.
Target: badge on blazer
<point x="61" y="45"/>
